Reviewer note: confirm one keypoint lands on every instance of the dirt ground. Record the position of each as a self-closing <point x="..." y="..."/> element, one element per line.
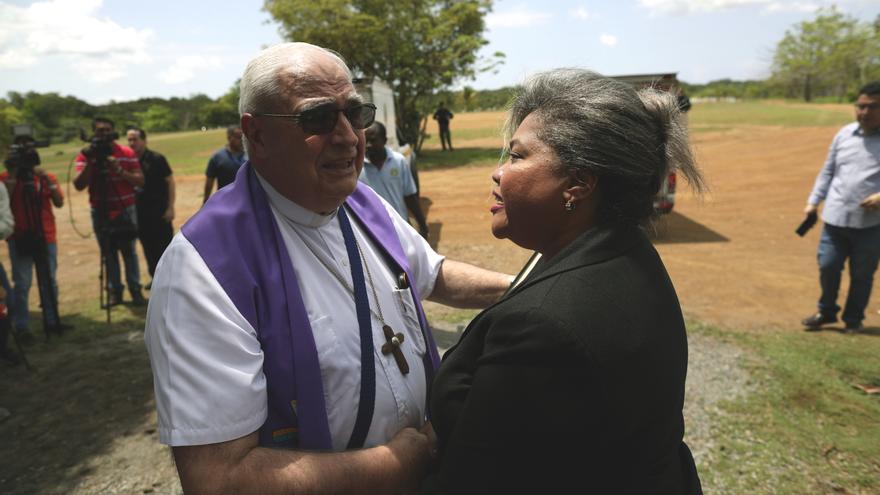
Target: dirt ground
<point x="732" y="255"/>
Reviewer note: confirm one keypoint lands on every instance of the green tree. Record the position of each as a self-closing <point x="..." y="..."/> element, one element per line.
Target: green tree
<point x="9" y="115"/>
<point x="157" y="118"/>
<point x="224" y="111"/>
<point x="188" y="111"/>
<point x="868" y="54"/>
<point x="468" y="98"/>
<point x="219" y="114"/>
<point x="45" y="111"/>
<point x="416" y="46"/>
<point x="830" y="55"/>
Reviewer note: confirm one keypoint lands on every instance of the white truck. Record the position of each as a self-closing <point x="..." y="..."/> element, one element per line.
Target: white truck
<point x="668" y="81"/>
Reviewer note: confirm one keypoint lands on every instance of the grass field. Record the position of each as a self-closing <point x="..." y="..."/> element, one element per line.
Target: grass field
<point x="802" y="427"/>
<point x="776" y="113"/>
<point x="187" y="152"/>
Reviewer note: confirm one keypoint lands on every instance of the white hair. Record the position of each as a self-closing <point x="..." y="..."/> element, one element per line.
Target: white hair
<point x="274" y="73"/>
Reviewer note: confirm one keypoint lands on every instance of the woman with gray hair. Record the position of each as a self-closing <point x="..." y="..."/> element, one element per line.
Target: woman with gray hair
<point x="574" y="381"/>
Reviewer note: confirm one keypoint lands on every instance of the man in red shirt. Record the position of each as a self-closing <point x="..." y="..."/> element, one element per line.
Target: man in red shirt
<point x="32" y="193"/>
<point x="111" y="172"/>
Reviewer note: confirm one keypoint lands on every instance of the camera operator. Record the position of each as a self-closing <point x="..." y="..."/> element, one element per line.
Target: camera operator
<point x="155" y="201"/>
<point x="111" y="172"/>
<point x="32" y="193"/>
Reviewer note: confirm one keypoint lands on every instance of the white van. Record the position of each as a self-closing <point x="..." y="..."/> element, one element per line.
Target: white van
<point x="665" y="199"/>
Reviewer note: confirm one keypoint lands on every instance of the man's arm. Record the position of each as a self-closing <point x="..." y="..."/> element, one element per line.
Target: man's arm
<point x="412" y="203"/>
<point x="242" y="466"/>
<point x="872" y="202"/>
<point x="54" y="190"/>
<point x="81" y="181"/>
<point x="209" y="185"/>
<point x="133" y="176"/>
<point x="169" y="211"/>
<point x="466" y="286"/>
<point x="7" y="221"/>
<point x="823" y="180"/>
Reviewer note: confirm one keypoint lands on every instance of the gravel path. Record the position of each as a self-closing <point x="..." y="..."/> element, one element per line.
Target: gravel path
<point x="715" y="374"/>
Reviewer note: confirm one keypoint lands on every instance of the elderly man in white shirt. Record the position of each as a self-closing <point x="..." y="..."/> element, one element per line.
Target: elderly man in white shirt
<point x="289" y="348"/>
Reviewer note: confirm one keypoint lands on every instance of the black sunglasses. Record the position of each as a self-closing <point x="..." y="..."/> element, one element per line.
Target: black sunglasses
<point x="322" y="119"/>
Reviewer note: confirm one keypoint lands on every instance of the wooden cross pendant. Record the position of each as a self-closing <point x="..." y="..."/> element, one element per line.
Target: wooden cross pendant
<point x="393" y="346"/>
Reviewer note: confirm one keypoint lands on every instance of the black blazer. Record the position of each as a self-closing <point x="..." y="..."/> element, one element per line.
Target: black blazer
<point x="572" y="383"/>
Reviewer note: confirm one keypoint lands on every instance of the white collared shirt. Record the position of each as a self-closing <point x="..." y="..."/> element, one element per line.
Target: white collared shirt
<point x="393" y="182"/>
<point x="207" y="361"/>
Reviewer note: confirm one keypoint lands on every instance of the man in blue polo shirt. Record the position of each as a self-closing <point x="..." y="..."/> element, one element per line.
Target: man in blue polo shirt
<point x="849" y="183"/>
<point x="388" y="173"/>
<point x="224" y="164"/>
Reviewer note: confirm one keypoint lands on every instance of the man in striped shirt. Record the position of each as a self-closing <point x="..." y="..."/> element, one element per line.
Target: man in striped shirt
<point x="111" y="172"/>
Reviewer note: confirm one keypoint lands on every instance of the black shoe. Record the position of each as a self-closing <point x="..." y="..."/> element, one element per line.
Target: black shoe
<point x="853" y="327"/>
<point x="815" y="322"/>
<point x="113" y="299"/>
<point x="137" y="299"/>
<point x="9" y="356"/>
<point x="24" y="337"/>
<point x="59" y="328"/>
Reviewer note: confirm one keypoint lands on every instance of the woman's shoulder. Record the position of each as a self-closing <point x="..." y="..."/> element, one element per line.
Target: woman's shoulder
<point x="625" y="299"/>
<point x="523" y="329"/>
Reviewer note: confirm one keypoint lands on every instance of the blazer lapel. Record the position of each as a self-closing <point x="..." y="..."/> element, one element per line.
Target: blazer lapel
<point x="593" y="246"/>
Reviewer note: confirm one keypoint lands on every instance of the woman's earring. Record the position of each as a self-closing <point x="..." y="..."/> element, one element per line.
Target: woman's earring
<point x="569" y="206"/>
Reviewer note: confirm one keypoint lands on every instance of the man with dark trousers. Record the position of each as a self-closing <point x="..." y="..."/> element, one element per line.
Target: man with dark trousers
<point x="155" y="201"/>
<point x="111" y="181"/>
<point x="32" y="193"/>
<point x="443" y="116"/>
<point x="849" y="184"/>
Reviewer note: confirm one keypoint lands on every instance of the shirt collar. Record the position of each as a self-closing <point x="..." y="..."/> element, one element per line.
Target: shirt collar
<point x="387" y="157"/>
<point x="292" y="211"/>
<point x="860" y="132"/>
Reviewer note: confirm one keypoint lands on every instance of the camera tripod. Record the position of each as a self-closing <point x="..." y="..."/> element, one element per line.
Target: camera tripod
<point x="107" y="236"/>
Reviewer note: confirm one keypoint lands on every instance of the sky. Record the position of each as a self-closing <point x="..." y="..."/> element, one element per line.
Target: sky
<point x="112" y="50"/>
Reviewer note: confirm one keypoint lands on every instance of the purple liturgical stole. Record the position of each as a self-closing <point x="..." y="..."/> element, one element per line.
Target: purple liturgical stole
<point x="236" y="235"/>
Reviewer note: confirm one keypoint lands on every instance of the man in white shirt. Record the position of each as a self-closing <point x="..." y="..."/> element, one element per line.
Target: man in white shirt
<point x="286" y="313"/>
<point x="388" y="173"/>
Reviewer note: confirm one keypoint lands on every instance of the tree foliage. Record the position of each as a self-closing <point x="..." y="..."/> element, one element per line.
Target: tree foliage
<point x="60" y="118"/>
<point x="832" y="54"/>
<point x="728" y="88"/>
<point x="416" y="46"/>
<point x="224" y="111"/>
<point x="9" y="116"/>
<point x="157" y="118"/>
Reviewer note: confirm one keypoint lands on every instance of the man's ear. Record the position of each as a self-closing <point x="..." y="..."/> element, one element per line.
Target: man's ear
<point x="581" y="185"/>
<point x="250" y="129"/>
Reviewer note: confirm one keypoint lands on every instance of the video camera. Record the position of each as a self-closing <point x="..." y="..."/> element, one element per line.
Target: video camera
<point x="23" y="154"/>
<point x="100" y="147"/>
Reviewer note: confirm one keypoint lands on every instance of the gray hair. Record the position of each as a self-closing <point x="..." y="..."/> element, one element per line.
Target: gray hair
<point x="275" y="73"/>
<point x="629" y="139"/>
